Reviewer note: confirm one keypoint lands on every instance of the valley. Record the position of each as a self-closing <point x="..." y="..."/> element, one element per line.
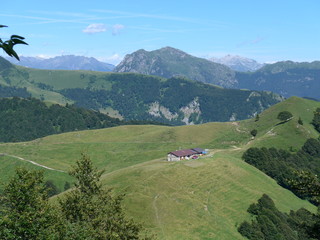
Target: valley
<point x="209" y="195"/>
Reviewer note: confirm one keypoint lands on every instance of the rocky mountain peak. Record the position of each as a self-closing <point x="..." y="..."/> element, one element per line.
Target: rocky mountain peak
<point x="238" y="63"/>
<point x="168" y="62"/>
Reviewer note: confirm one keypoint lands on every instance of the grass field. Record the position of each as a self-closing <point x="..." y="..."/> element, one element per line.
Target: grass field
<point x="194" y="199"/>
<point x="289" y="135"/>
<point x="119" y="147"/>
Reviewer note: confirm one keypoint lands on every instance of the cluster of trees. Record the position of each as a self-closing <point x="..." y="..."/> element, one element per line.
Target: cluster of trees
<point x="316" y="120"/>
<point x="13" y="91"/>
<point x="282" y="165"/>
<point x="269" y="223"/>
<point x="87" y="211"/>
<point x="27" y="119"/>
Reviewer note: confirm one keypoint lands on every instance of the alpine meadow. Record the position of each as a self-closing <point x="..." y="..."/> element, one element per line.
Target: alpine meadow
<point x="159" y="120"/>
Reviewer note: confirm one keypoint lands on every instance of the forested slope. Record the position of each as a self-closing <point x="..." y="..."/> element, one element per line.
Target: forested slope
<point x="134" y="96"/>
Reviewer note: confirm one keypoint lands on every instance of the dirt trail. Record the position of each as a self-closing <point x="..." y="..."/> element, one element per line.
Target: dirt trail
<point x="32" y="162"/>
<point x="154" y="204"/>
<point x="238" y="127"/>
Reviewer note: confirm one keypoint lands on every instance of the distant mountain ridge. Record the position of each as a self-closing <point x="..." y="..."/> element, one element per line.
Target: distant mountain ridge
<point x="169" y="62"/>
<point x="64" y="62"/>
<point x="238" y="63"/>
<point x="287" y="78"/>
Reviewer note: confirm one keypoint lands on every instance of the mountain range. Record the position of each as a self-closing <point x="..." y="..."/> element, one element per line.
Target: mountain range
<point x="286" y="78"/>
<point x="238" y="63"/>
<point x="169" y="62"/>
<point x="64" y="62"/>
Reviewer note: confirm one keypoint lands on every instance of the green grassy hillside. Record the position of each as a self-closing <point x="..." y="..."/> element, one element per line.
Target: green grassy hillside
<point x="10" y="163"/>
<point x="194" y="199"/>
<point x="119" y="147"/>
<point x="290" y="135"/>
<point x="197" y="199"/>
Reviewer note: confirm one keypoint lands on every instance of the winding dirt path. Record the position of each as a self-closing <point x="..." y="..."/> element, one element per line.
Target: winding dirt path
<point x="32" y="162"/>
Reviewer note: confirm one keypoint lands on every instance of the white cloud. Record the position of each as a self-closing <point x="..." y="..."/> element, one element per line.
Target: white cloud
<point x="95" y="28"/>
<point x="116" y="29"/>
<point x="45" y="56"/>
<point x="113" y="59"/>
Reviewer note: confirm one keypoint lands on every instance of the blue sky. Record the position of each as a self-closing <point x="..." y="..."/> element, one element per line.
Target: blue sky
<point x="267" y="31"/>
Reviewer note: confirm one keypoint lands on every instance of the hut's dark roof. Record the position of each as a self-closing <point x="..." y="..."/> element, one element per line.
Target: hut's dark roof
<point x="183" y="153"/>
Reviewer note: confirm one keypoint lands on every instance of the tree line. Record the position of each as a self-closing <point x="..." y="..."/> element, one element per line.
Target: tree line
<point x="27" y="119"/>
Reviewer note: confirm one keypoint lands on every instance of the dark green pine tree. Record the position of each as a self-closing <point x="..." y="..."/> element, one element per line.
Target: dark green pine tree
<point x="25" y="211"/>
<point x="92" y="212"/>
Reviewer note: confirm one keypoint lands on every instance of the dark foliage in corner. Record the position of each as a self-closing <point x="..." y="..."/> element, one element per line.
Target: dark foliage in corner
<point x="26" y="213"/>
<point x="270" y="223"/>
<point x="8" y="45"/>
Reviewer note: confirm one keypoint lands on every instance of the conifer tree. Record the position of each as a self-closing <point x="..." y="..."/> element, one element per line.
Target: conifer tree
<point x="91" y="211"/>
<point x="25" y="211"/>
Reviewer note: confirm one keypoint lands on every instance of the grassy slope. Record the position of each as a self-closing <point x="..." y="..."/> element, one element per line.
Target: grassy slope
<point x="196" y="199"/>
<point x="287" y="135"/>
<point x="119" y="147"/>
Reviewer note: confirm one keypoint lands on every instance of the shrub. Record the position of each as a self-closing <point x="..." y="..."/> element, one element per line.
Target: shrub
<point x="254" y="132"/>
<point x="284" y="116"/>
